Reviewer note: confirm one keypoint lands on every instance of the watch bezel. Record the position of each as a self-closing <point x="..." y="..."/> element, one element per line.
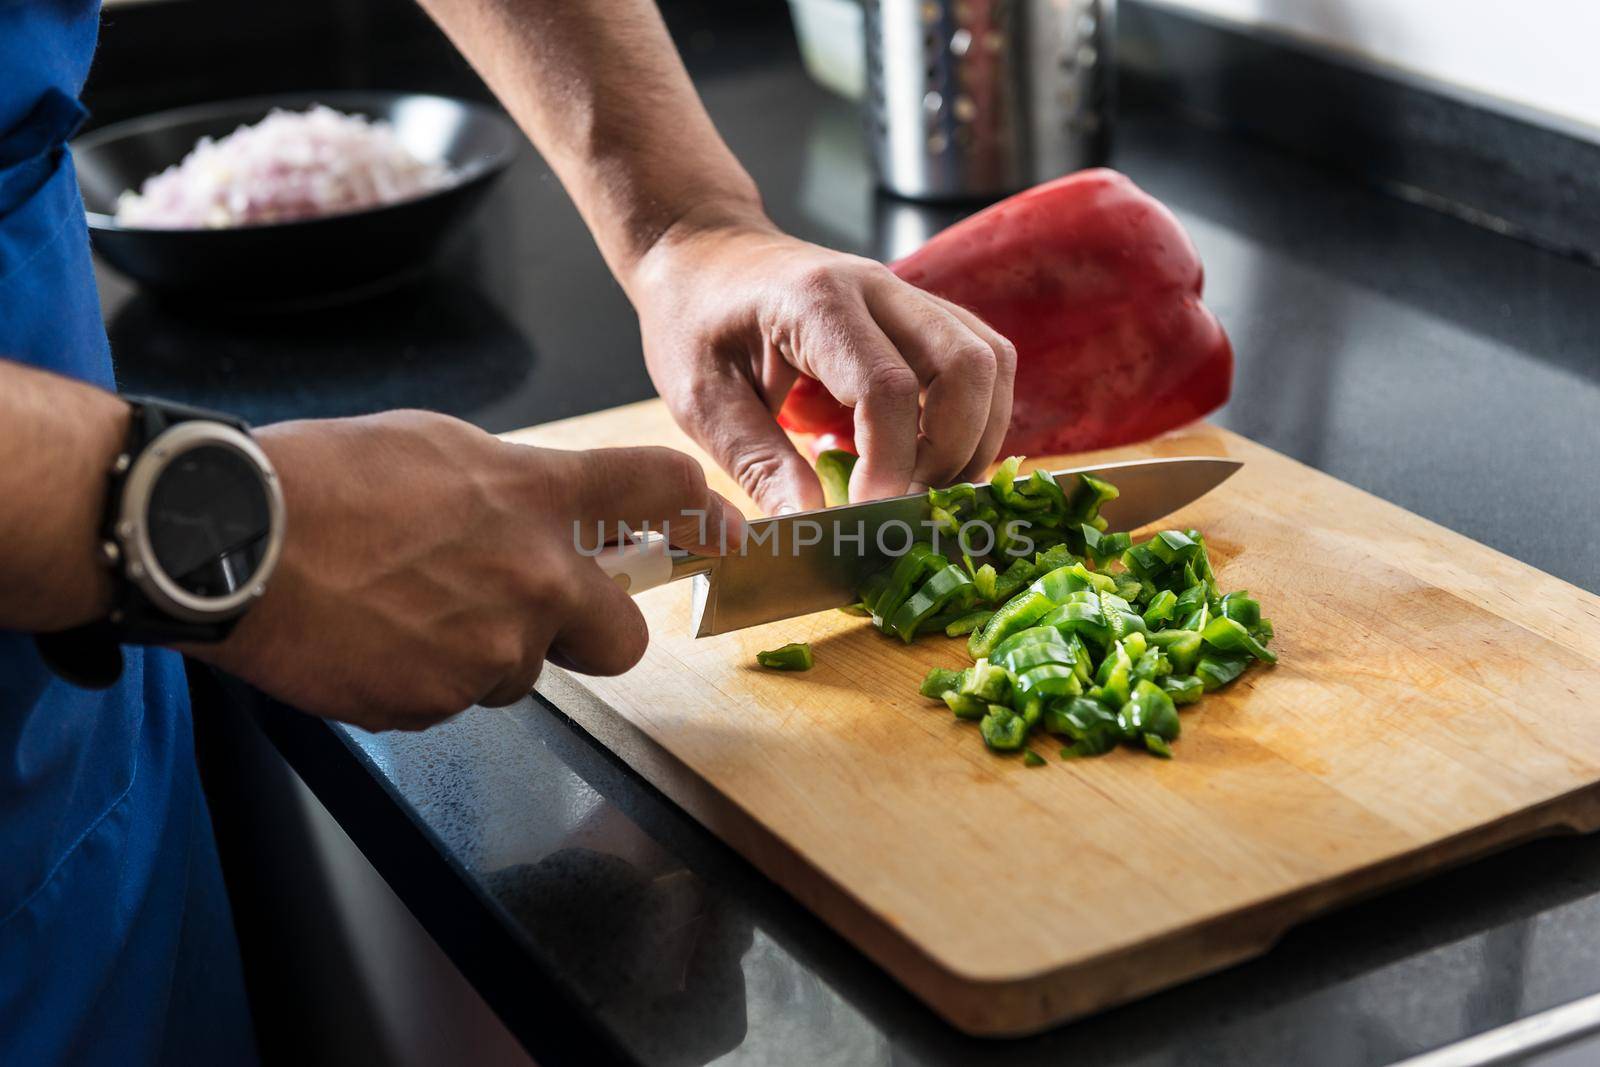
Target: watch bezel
<point x="132" y="528"/>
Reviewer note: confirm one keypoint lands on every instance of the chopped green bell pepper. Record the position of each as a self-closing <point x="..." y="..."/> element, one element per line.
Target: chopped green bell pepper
<point x="1003" y="729"/>
<point x="1226" y="635"/>
<point x="1018" y="614"/>
<point x="965" y="624"/>
<point x="833" y="471"/>
<point x="948" y="583"/>
<point x="795" y="656"/>
<point x="940" y="680"/>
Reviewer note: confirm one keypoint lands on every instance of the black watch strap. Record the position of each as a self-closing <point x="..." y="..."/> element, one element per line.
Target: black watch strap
<point x="91" y="655"/>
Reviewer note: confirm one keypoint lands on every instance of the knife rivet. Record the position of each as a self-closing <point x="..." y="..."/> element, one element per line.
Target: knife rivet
<point x="623" y="581"/>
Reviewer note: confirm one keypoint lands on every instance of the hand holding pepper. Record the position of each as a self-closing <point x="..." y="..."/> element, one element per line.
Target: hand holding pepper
<point x="733" y="314"/>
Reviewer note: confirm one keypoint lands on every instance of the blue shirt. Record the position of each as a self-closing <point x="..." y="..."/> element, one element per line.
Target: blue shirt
<point x="116" y="942"/>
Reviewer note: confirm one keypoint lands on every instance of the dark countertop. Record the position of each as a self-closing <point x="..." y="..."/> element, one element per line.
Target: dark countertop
<point x="1444" y="367"/>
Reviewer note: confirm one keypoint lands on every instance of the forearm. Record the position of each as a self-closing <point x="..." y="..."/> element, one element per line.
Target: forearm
<point x="599" y="88"/>
<point x="58" y="440"/>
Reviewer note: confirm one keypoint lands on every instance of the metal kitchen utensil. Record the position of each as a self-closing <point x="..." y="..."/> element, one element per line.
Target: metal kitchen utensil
<point x="814" y="560"/>
<point x="980" y="98"/>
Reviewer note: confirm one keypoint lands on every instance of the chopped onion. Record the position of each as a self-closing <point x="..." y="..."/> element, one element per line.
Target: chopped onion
<point x="291" y="165"/>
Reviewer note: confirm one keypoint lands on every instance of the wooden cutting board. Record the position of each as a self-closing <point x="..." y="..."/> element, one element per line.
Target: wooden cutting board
<point x="1435" y="701"/>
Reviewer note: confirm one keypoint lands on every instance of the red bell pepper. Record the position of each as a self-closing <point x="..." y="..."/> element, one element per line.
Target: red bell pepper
<point x="1098" y="287"/>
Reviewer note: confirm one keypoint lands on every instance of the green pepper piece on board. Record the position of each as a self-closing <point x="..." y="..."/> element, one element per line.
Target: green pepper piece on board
<point x="1150" y="711"/>
<point x="1161" y="608"/>
<point x="1227" y="635"/>
<point x="795" y="656"/>
<point x="940" y="680"/>
<point x="1003" y="729"/>
<point x="1242" y="609"/>
<point x="965" y="706"/>
<point x="903" y="580"/>
<point x="1182" y="688"/>
<point x="987" y="681"/>
<point x="1216" y="670"/>
<point x="1019" y="613"/>
<point x="947" y="583"/>
<point x="1182" y="648"/>
<point x="984" y="579"/>
<point x="1031" y="758"/>
<point x="1157" y="747"/>
<point x="967" y="623"/>
<point x="872" y="589"/>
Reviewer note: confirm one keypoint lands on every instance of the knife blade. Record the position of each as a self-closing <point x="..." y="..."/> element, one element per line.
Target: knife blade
<point x="786" y="570"/>
<point x="810" y="561"/>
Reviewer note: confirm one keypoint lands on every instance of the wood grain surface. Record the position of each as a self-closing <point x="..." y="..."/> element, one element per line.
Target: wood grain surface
<point x="1434" y="701"/>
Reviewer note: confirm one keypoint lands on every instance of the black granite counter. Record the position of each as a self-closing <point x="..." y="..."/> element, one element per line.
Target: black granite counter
<point x="1444" y="367"/>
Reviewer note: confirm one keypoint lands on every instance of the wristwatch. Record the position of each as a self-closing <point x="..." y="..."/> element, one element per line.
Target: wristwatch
<point x="193" y="527"/>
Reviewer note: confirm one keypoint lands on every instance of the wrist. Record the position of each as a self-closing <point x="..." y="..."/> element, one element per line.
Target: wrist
<point x="80" y="584"/>
<point x="692" y="225"/>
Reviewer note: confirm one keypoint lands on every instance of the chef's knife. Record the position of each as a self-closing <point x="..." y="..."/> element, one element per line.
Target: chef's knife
<point x="810" y="561"/>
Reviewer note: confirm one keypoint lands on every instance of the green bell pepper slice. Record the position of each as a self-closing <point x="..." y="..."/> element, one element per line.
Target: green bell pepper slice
<point x="1182" y="688"/>
<point x="1157" y="747"/>
<point x="965" y="707"/>
<point x="1049" y="680"/>
<point x="1114" y="679"/>
<point x="903" y="580"/>
<point x="1160" y="609"/>
<point x="1092" y="729"/>
<point x="1087" y="497"/>
<point x="795" y="656"/>
<point x="946" y="584"/>
<point x="987" y="681"/>
<point x="1242" y="608"/>
<point x="940" y="680"/>
<point x="833" y="471"/>
<point x="1218" y="669"/>
<point x="1150" y="711"/>
<point x="1152" y="665"/>
<point x="1037" y="653"/>
<point x="1019" y="613"/>
<point x="1003" y="729"/>
<point x="1080" y="615"/>
<point x="1182" y="647"/>
<point x="1227" y="635"/>
<point x="1033" y="635"/>
<point x="966" y="623"/>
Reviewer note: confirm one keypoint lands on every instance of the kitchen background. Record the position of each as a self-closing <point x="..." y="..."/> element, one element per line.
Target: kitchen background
<point x="1481" y="111"/>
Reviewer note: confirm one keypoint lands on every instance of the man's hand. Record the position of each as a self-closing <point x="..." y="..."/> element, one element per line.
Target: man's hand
<point x="731" y="309"/>
<point x="732" y="314"/>
<point x="429" y="566"/>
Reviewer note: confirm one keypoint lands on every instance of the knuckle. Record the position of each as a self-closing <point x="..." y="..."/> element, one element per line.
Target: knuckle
<point x="822" y="285"/>
<point x="1006" y="355"/>
<point x="679" y="475"/>
<point x="696" y="403"/>
<point x="892" y="383"/>
<point x="758" y="472"/>
<point x="977" y="358"/>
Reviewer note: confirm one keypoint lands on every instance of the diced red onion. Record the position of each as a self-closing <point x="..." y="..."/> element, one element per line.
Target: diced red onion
<point x="290" y="165"/>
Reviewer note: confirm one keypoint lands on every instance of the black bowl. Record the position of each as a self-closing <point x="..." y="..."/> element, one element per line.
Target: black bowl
<point x="311" y="261"/>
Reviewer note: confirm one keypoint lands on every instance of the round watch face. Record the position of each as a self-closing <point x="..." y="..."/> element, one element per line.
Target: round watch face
<point x="209" y="521"/>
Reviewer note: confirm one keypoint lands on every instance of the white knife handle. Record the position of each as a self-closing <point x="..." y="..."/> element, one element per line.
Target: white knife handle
<point x="638" y="566"/>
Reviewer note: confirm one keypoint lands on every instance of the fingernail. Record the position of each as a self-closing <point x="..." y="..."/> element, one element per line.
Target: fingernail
<point x="917" y="487"/>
